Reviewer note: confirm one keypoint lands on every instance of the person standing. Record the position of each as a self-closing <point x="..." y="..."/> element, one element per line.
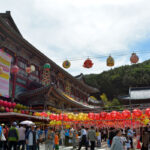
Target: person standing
<point x="13" y="136"/>
<point x="31" y="138"/>
<point x="21" y="142"/>
<point x="49" y="143"/>
<point x="56" y="141"/>
<point x="145" y="139"/>
<point x="117" y="143"/>
<point x="130" y="135"/>
<point x="83" y="138"/>
<point x="62" y="136"/>
<point x="92" y="137"/>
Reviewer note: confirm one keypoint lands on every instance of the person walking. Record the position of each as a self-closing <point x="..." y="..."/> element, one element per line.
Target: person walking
<point x="49" y="143"/>
<point x="117" y="143"/>
<point x="21" y="132"/>
<point x="83" y="138"/>
<point x="13" y="137"/>
<point x="31" y="138"/>
<point x="92" y="137"/>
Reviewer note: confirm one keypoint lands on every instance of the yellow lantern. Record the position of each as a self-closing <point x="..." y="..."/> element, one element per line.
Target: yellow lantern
<point x="66" y="64"/>
<point x="146" y="121"/>
<point x="110" y="61"/>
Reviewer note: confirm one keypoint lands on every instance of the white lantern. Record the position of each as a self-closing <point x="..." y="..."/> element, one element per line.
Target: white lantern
<point x="32" y="68"/>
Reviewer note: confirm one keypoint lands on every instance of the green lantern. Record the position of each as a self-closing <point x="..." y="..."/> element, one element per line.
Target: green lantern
<point x="47" y="66"/>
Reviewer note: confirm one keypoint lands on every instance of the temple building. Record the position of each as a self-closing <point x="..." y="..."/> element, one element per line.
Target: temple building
<point x="63" y="91"/>
<point x="137" y="96"/>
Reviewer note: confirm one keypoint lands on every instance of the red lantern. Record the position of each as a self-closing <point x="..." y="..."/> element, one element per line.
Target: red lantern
<point x="103" y="114"/>
<point x="28" y="70"/>
<point x="88" y="63"/>
<point x="91" y="115"/>
<point x="14" y="69"/>
<point x="134" y="58"/>
<point x="137" y="112"/>
<point x="147" y="112"/>
<point x="114" y="114"/>
<point x="9" y="104"/>
<point x="126" y="114"/>
<point x="97" y="116"/>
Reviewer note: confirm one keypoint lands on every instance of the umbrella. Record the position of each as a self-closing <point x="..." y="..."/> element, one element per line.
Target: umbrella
<point x="27" y="122"/>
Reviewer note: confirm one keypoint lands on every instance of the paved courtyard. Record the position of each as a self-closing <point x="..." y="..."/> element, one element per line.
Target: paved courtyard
<point x="104" y="147"/>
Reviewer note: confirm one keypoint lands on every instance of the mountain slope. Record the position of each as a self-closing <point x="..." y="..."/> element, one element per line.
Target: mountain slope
<point x="117" y="81"/>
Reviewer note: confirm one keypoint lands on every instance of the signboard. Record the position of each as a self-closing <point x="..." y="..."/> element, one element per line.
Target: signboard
<point x="5" y="64"/>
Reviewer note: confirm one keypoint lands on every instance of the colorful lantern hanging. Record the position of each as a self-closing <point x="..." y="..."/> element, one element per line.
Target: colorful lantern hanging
<point x="1" y="70"/>
<point x="66" y="64"/>
<point x="47" y="66"/>
<point x="14" y="69"/>
<point x="88" y="63"/>
<point x="134" y="58"/>
<point x="28" y="70"/>
<point x="137" y="112"/>
<point x="32" y="67"/>
<point x="110" y="61"/>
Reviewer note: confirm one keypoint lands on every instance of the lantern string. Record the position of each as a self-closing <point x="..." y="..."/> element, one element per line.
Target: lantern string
<point x="104" y="56"/>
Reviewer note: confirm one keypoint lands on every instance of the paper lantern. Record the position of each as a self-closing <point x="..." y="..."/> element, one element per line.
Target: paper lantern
<point x="110" y="61"/>
<point x="126" y="114"/>
<point x="28" y="70"/>
<point x="47" y="66"/>
<point x="103" y="114"/>
<point x="134" y="58"/>
<point x="1" y="70"/>
<point x="14" y="69"/>
<point x="66" y="64"/>
<point x="32" y="68"/>
<point x="113" y="114"/>
<point x="137" y="112"/>
<point x="147" y="112"/>
<point x="88" y="63"/>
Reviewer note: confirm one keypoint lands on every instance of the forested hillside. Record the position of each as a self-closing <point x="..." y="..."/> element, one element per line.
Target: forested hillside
<point x="117" y="81"/>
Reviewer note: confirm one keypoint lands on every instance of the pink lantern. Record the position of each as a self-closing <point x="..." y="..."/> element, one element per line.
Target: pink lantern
<point x="13" y="104"/>
<point x="14" y="69"/>
<point x="7" y="109"/>
<point x="1" y="102"/>
<point x="5" y="104"/>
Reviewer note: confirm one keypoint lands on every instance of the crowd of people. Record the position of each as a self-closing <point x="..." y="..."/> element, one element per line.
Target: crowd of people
<point x="21" y="137"/>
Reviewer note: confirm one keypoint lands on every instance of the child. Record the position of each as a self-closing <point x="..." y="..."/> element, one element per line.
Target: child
<point x="56" y="141"/>
<point x="128" y="143"/>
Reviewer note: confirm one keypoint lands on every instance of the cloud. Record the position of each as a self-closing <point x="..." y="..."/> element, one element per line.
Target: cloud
<point x="69" y="29"/>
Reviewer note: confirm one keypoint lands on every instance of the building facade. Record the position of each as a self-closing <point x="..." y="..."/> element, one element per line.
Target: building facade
<point x="65" y="91"/>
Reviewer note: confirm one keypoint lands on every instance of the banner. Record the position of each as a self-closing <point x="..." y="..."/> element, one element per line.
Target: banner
<point x="5" y="64"/>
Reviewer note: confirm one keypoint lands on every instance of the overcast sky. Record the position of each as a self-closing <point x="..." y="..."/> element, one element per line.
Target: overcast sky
<point x="74" y="29"/>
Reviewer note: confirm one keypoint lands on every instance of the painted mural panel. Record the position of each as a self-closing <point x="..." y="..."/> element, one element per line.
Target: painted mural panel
<point x="5" y="65"/>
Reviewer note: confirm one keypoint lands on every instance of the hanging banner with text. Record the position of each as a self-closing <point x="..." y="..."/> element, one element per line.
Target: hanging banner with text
<point x="5" y="65"/>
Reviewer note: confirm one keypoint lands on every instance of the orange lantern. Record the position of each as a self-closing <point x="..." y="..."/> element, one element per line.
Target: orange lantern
<point x="134" y="58"/>
<point x="88" y="63"/>
<point x="66" y="64"/>
<point x="110" y="61"/>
